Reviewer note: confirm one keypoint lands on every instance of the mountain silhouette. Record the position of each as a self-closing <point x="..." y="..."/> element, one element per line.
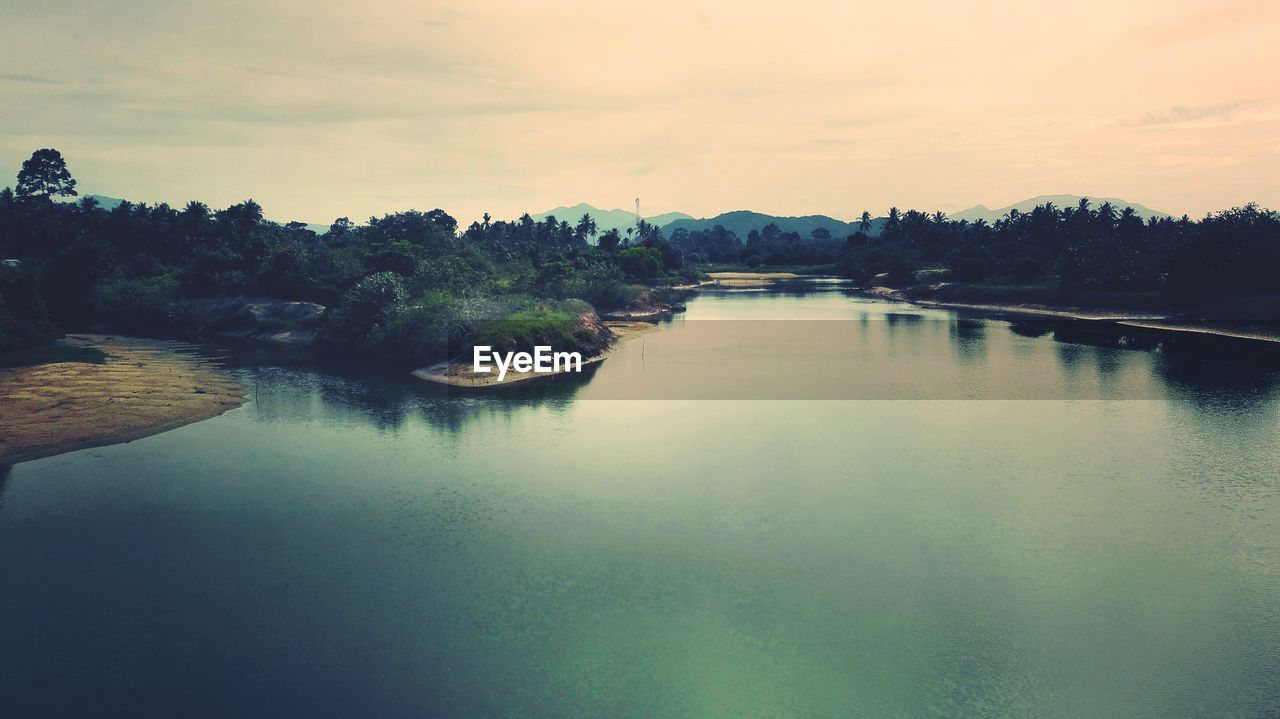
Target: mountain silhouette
<point x="607" y="219"/>
<point x="980" y="212"/>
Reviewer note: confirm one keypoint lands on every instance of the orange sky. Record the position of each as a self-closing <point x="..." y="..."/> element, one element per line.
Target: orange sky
<point x="324" y="109"/>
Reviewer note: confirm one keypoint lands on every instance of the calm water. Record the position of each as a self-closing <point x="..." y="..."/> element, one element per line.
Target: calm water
<point x="1004" y="543"/>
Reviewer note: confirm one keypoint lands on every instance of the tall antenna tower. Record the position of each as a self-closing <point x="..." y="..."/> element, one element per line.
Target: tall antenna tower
<point x="637" y="212"/>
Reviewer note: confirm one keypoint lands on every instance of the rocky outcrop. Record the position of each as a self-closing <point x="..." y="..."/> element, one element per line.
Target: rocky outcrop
<point x="645" y="307"/>
<point x="259" y="319"/>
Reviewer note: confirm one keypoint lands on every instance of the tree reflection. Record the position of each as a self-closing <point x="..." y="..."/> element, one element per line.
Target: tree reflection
<point x="969" y="338"/>
<point x="388" y="398"/>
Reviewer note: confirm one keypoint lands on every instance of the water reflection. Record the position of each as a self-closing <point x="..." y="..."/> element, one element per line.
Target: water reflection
<point x="386" y="402"/>
<point x="825" y="346"/>
<point x="969" y="338"/>
<point x="355" y="537"/>
<point x="1031" y="329"/>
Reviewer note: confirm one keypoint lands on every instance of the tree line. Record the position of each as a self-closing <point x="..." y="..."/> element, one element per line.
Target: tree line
<point x="398" y="286"/>
<point x="404" y="285"/>
<point x="1064" y="254"/>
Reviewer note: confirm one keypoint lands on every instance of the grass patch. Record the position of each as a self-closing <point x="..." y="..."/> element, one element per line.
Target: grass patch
<point x="542" y="324"/>
<point x="49" y="354"/>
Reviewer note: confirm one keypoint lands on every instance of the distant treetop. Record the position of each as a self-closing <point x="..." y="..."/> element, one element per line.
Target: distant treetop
<point x="45" y="175"/>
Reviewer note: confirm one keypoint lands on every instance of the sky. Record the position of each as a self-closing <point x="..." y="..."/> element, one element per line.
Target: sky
<point x="322" y="109"/>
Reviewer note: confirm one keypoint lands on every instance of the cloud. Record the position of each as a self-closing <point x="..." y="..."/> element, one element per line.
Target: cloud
<point x="320" y="108"/>
<point x="1180" y="114"/>
<point x="28" y="79"/>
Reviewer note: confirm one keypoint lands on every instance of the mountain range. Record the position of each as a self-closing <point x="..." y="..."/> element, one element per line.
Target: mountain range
<point x="742" y="222"/>
<point x="980" y="212"/>
<point x="608" y="219"/>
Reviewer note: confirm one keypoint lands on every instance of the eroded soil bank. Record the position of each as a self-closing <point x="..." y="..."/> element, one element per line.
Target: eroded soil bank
<point x="140" y="387"/>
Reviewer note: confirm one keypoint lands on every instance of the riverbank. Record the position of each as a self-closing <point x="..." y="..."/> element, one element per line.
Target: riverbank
<point x="1251" y="331"/>
<point x="749" y="279"/>
<point x="119" y="389"/>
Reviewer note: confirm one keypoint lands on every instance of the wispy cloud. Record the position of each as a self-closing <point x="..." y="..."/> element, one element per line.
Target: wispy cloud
<point x="1180" y="114"/>
<point x="28" y="79"/>
<point x="320" y="108"/>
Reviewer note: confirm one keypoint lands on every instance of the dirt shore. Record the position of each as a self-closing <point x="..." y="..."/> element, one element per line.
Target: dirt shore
<point x="748" y="279"/>
<point x="142" y="387"/>
<point x="1140" y="320"/>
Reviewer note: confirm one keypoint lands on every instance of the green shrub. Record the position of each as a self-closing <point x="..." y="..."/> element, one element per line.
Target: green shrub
<point x="137" y="305"/>
<point x="361" y="323"/>
<point x="24" y="321"/>
<point x="640" y="262"/>
<point x="557" y="325"/>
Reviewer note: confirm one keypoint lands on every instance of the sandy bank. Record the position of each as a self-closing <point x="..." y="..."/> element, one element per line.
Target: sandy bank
<point x="144" y="387"/>
<point x="1208" y="328"/>
<point x="1138" y="320"/>
<point x="753" y="275"/>
<point x="1066" y="313"/>
<point x="749" y="279"/>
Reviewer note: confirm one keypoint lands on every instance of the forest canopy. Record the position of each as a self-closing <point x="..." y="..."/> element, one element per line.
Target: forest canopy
<point x="405" y="285"/>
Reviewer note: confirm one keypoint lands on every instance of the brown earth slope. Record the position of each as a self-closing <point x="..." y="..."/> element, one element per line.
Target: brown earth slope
<point x="142" y="388"/>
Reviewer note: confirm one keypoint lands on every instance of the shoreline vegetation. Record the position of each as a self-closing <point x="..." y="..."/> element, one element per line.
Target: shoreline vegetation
<point x="1157" y="322"/>
<point x="609" y="331"/>
<point x="98" y="390"/>
<point x="409" y="288"/>
<point x="416" y="289"/>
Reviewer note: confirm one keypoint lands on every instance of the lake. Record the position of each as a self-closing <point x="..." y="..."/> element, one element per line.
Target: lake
<point x="785" y="503"/>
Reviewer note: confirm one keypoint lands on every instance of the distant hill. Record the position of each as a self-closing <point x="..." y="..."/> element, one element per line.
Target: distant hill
<point x="110" y="203"/>
<point x="1061" y="201"/>
<point x="607" y="219"/>
<point x="106" y="203"/>
<point x="742" y="222"/>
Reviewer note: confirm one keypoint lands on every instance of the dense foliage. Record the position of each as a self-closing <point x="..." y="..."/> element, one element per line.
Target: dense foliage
<point x="1078" y="253"/>
<point x="411" y="285"/>
<point x="402" y="286"/>
<point x="1082" y="252"/>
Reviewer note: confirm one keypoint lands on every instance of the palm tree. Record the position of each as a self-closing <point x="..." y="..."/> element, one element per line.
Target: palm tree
<point x="645" y="231"/>
<point x="485" y="220"/>
<point x="586" y="227"/>
<point x="1107" y="214"/>
<point x="864" y="222"/>
<point x="891" y="226"/>
<point x="610" y="239"/>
